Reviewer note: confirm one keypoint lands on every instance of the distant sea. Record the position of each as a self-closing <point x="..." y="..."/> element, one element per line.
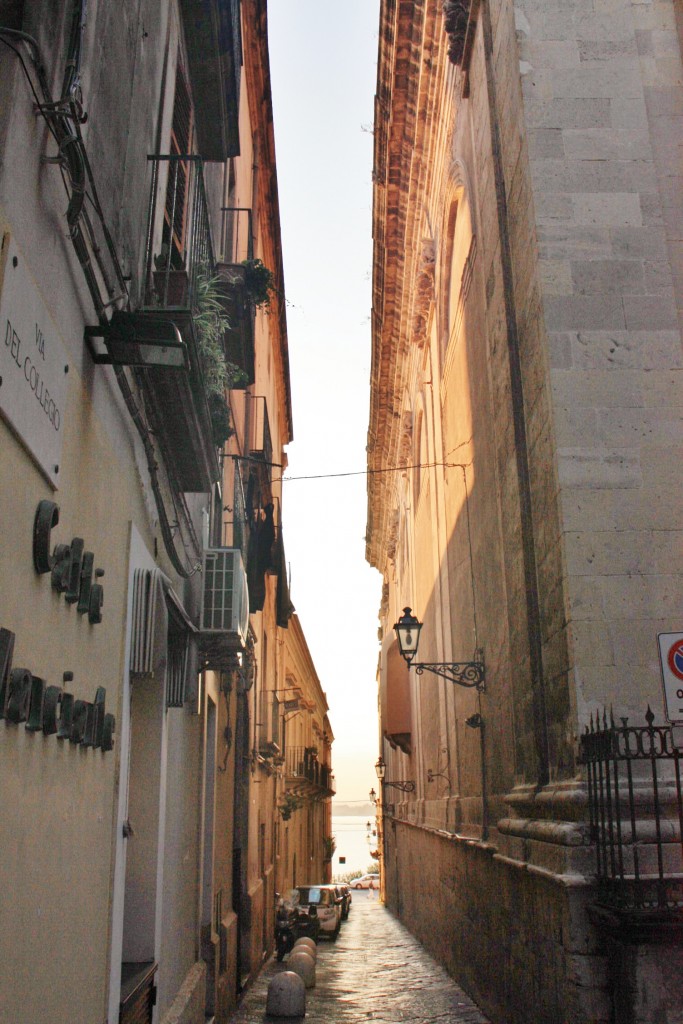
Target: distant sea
<point x="351" y="833"/>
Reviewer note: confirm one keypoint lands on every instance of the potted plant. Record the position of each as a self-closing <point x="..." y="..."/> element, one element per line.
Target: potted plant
<point x="211" y="323"/>
<point x="290" y="803"/>
<point x="329" y="846"/>
<point x="171" y="284"/>
<point x="259" y="283"/>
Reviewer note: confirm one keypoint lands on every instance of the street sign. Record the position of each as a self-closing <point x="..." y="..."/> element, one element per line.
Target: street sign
<point x="33" y="363"/>
<point x="671" y="661"/>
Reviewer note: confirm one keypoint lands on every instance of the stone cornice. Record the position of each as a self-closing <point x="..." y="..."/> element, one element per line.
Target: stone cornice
<point x="412" y="55"/>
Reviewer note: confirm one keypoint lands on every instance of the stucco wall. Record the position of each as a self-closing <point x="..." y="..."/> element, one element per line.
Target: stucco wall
<point x="60" y="799"/>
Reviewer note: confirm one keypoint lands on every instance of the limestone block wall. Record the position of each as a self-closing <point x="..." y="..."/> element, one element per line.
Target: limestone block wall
<point x="517" y="532"/>
<point x="602" y="96"/>
<point x="558" y="402"/>
<point x="516" y="941"/>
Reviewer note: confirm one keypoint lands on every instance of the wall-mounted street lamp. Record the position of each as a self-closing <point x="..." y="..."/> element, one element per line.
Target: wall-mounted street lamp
<point x="470" y="674"/>
<point x="137" y="339"/>
<point x="386" y="808"/>
<point x="381" y="769"/>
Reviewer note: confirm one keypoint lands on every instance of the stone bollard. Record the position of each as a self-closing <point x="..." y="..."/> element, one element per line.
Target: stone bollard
<point x="302" y="963"/>
<point x="305" y="943"/>
<point x="286" y="996"/>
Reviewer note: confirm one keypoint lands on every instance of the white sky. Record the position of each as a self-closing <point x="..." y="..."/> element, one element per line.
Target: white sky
<point x="323" y="66"/>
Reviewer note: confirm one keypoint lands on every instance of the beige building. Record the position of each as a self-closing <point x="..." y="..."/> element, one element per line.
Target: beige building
<point x="307" y="783"/>
<point x="525" y="423"/>
<point x="144" y="411"/>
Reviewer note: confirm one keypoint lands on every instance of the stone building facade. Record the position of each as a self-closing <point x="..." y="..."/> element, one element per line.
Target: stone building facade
<point x="144" y="401"/>
<point x="525" y="420"/>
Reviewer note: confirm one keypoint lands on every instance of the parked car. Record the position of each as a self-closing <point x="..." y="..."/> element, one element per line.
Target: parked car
<point x="327" y="903"/>
<point x="292" y="922"/>
<point x="365" y="882"/>
<point x="347" y="898"/>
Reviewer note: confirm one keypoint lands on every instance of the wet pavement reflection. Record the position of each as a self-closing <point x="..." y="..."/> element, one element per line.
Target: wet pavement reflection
<point x="375" y="971"/>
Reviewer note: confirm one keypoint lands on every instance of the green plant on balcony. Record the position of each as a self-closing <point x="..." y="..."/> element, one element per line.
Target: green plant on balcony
<point x="329" y="846"/>
<point x="259" y="283"/>
<point x="219" y="374"/>
<point x="290" y="803"/>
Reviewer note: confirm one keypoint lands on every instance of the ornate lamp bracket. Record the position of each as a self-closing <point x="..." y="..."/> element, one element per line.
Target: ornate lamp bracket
<point x="405" y="787"/>
<point x="471" y="674"/>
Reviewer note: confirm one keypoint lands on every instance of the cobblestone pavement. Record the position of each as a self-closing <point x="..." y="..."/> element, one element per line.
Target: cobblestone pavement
<point x="375" y="971"/>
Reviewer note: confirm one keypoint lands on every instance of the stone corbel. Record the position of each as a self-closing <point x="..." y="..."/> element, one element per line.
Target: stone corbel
<point x="424" y="291"/>
<point x="459" y="15"/>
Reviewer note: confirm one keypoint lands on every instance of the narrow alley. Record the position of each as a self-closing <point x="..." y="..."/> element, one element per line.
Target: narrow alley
<point x="375" y="971"/>
<point x="341" y="366"/>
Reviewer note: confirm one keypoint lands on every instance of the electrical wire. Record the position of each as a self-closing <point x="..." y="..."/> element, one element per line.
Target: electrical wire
<point x="63" y="119"/>
<point x="374" y="472"/>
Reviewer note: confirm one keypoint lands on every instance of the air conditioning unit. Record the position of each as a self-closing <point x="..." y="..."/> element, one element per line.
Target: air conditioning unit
<point x="225" y="599"/>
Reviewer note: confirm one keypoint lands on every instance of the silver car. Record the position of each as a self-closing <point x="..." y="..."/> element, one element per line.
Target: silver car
<point x="327" y="904"/>
<point x="365" y="882"/>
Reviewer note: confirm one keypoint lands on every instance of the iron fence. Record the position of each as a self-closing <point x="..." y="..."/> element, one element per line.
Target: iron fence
<point x="636" y="812"/>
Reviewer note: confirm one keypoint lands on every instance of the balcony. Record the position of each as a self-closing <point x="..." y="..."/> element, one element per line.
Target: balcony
<point x="260" y="441"/>
<point x="306" y="776"/>
<point x="179" y="256"/>
<point x="214" y="50"/>
<point x="236" y="248"/>
<point x="237" y="526"/>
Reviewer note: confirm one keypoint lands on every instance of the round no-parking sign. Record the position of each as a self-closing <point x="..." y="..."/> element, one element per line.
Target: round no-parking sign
<point x="671" y="660"/>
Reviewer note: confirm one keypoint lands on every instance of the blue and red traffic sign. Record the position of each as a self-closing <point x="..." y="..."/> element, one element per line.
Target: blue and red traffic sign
<point x="671" y="660"/>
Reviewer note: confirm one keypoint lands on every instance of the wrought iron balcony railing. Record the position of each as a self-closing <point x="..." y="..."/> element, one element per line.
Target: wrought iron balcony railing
<point x="237" y="527"/>
<point x="305" y="774"/>
<point x="179" y="252"/>
<point x="179" y="248"/>
<point x="237" y="246"/>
